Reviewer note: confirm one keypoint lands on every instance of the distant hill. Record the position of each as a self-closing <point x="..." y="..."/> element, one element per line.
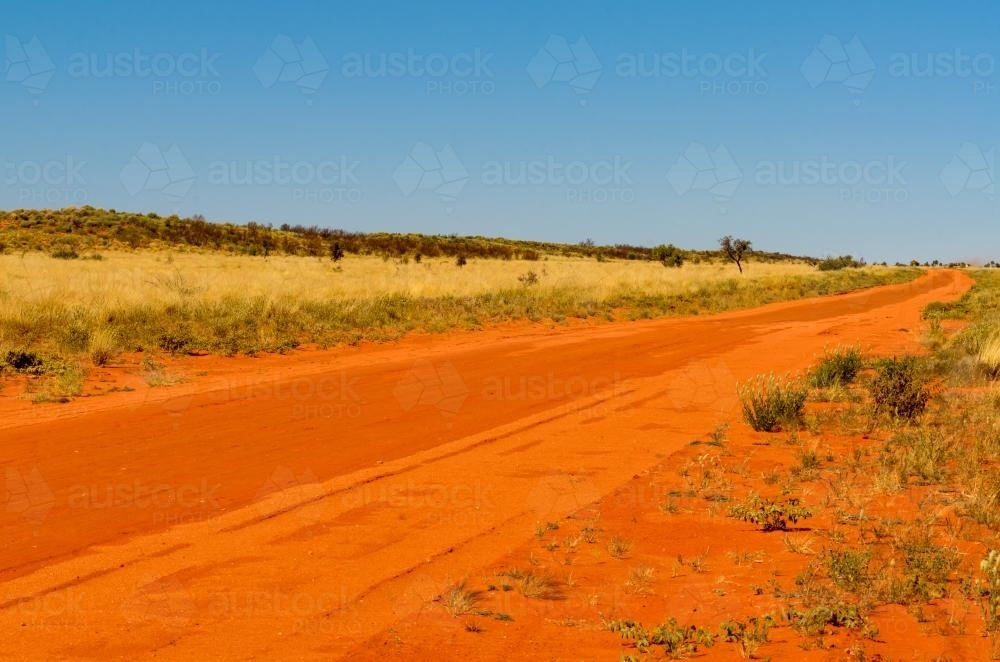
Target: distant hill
<point x="89" y="228"/>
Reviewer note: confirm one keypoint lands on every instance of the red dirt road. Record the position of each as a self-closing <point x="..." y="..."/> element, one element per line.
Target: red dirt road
<point x="294" y="507"/>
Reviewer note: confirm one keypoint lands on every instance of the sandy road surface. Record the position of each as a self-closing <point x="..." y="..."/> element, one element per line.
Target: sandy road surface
<point x="293" y="513"/>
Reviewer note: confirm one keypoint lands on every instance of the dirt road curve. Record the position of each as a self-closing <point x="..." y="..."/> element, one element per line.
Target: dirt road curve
<point x="291" y="511"/>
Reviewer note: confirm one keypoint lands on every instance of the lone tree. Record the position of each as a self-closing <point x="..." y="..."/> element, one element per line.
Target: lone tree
<point x="735" y="249"/>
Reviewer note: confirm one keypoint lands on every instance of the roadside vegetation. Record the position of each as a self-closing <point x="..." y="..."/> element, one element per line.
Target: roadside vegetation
<point x="863" y="526"/>
<point x="85" y="288"/>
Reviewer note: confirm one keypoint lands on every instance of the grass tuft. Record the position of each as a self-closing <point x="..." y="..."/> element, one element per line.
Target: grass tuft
<point x="770" y="404"/>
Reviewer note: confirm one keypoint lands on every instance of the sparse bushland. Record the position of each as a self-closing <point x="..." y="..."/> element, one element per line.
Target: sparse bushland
<point x="836" y="263"/>
<point x="770" y="403"/>
<point x="175" y="303"/>
<point x="81" y="228"/>
<point x="902" y="512"/>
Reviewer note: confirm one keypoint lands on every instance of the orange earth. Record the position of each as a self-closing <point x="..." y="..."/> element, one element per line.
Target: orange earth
<point x="314" y="506"/>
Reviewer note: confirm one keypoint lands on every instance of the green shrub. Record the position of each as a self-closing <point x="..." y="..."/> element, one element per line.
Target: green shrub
<point x="23" y="362"/>
<point x="770" y="403"/>
<point x="899" y="388"/>
<point x="848" y="568"/>
<point x="65" y="254"/>
<point x="836" y="263"/>
<point x="770" y="515"/>
<point x="174" y="342"/>
<point x="836" y="614"/>
<point x="669" y="255"/>
<point x="677" y="641"/>
<point x="748" y="636"/>
<point x="836" y="368"/>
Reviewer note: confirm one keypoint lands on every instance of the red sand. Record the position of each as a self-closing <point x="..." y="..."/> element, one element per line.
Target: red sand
<point x="310" y="506"/>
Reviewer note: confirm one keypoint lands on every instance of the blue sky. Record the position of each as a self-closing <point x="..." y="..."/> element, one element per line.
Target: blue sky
<point x="836" y="141"/>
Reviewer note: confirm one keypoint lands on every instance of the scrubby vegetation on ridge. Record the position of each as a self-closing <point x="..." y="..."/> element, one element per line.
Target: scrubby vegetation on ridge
<point x="87" y="228"/>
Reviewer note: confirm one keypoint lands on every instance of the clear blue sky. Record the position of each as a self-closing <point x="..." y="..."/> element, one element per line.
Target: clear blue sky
<point x="837" y="99"/>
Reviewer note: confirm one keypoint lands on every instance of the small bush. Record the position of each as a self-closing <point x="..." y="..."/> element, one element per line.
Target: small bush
<point x="669" y="255"/>
<point x="836" y="614"/>
<point x="677" y="640"/>
<point x="619" y="547"/>
<point x="103" y="347"/>
<point x="458" y="600"/>
<point x="848" y="568"/>
<point x="65" y="254"/>
<point x="22" y="362"/>
<point x="837" y="368"/>
<point x="898" y="388"/>
<point x="748" y="636"/>
<point x="174" y="342"/>
<point x="770" y="515"/>
<point x="460" y="261"/>
<point x="533" y="585"/>
<point x="770" y="404"/>
<point x="528" y="279"/>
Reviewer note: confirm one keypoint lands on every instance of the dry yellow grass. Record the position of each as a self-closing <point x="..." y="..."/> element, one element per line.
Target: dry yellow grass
<point x="989" y="354"/>
<point x="175" y="301"/>
<point x="126" y="278"/>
